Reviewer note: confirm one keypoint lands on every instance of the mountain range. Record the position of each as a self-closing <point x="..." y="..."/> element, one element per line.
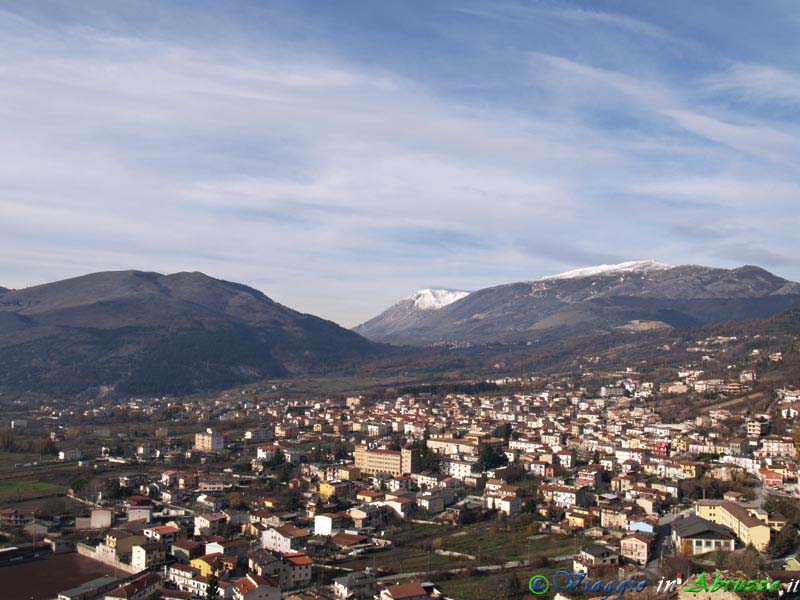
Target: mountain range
<point x="634" y="296"/>
<point x="142" y="333"/>
<point x="138" y="332"/>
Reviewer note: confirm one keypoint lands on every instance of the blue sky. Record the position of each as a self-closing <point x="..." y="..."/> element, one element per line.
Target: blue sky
<point x="340" y="155"/>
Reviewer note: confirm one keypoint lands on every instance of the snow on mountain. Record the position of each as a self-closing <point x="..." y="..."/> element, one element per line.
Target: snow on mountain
<point x="584" y="301"/>
<point x="410" y="312"/>
<point x="429" y="299"/>
<point x="623" y="267"/>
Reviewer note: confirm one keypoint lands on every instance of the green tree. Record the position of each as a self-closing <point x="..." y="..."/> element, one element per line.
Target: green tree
<point x="284" y="472"/>
<point x="489" y="458"/>
<point x="503" y="431"/>
<point x="784" y="542"/>
<point x="429" y="460"/>
<point x="278" y="458"/>
<point x="212" y="591"/>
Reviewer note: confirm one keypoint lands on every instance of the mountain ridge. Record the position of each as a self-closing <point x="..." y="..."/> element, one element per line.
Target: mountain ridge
<point x="144" y="332"/>
<point x="597" y="298"/>
<point x="624" y="267"/>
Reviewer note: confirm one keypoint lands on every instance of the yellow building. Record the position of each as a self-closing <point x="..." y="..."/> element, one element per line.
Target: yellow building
<point x="749" y="524"/>
<point x="214" y="563"/>
<point x="349" y="473"/>
<point x="579" y="517"/>
<point x="369" y="496"/>
<point x="122" y="542"/>
<point x="394" y="462"/>
<point x="330" y="489"/>
<point x="680" y="444"/>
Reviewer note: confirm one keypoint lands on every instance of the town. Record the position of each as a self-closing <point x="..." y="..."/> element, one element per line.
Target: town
<point x="456" y="491"/>
<point x="399" y="300"/>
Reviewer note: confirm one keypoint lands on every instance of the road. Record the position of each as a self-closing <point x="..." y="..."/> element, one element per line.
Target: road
<point x="663" y="542"/>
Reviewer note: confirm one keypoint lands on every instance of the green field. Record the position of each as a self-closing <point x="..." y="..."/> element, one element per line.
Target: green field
<point x="14" y="490"/>
<point x="496" y="542"/>
<point x="491" y="542"/>
<point x="8" y="460"/>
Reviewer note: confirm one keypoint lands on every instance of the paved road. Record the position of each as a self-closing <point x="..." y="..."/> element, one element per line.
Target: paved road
<point x="667" y="519"/>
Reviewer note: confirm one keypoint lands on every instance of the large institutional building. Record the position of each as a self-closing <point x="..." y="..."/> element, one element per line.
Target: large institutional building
<point x="752" y="525"/>
<point x="394" y="462"/>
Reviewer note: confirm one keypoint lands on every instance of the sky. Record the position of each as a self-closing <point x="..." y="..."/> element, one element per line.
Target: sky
<point x="340" y="155"/>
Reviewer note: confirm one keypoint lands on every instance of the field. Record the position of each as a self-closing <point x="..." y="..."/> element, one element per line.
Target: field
<point x="15" y="490"/>
<point x="9" y="460"/>
<point x="418" y="547"/>
<point x="508" y="584"/>
<point x="60" y="505"/>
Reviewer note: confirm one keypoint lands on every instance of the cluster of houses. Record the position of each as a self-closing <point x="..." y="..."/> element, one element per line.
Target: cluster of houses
<point x="603" y="462"/>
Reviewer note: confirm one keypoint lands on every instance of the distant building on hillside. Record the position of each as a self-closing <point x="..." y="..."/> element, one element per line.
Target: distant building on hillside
<point x="209" y="441"/>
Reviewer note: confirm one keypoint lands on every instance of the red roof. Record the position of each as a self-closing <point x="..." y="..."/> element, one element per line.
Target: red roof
<point x="298" y="559"/>
<point x="291" y="531"/>
<point x="348" y="539"/>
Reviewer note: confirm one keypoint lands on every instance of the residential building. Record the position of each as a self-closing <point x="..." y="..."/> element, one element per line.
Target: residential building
<point x="209" y="441"/>
<point x="694" y="535"/>
<point x="286" y="539"/>
<point x="404" y="591"/>
<point x="394" y="462"/>
<point x="636" y="548"/>
<point x="355" y="586"/>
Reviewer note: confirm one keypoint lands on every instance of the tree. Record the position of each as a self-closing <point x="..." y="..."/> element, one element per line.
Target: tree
<point x="341" y="450"/>
<point x="114" y="489"/>
<point x="747" y="561"/>
<point x="503" y="431"/>
<point x="489" y="458"/>
<point x="429" y="460"/>
<point x="784" y="542"/>
<point x="277" y="459"/>
<point x="212" y="591"/>
<point x="284" y="472"/>
<point x="235" y="500"/>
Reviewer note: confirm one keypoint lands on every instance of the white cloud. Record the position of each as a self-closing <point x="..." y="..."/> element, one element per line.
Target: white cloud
<point x="338" y="187"/>
<point x="757" y="83"/>
<point x="757" y="140"/>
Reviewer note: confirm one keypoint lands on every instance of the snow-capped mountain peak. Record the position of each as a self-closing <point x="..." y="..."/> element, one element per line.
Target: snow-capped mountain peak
<point x="603" y="299"/>
<point x="429" y="299"/>
<point x="620" y="268"/>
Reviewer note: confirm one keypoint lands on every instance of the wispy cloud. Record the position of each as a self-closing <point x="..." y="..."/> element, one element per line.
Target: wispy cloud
<point x="338" y="176"/>
<point x="756" y="83"/>
<point x="756" y="140"/>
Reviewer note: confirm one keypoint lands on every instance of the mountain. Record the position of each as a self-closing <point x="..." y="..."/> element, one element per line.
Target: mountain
<point x="408" y="313"/>
<point x="639" y="295"/>
<point x="3" y="290"/>
<point x="145" y="333"/>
